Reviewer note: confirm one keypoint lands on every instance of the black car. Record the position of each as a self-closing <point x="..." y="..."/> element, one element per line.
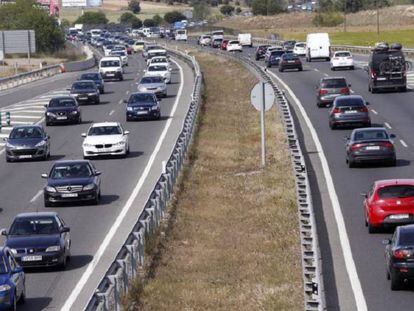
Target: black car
<point x="290" y="61"/>
<point x="216" y="43"/>
<point x="72" y="181"/>
<point x="261" y="51"/>
<point x="62" y="109"/>
<point x="27" y="142"/>
<point x="95" y="77"/>
<point x="274" y="58"/>
<point x="39" y="239"/>
<point x="289" y="45"/>
<point x="142" y="106"/>
<point x="399" y="256"/>
<point x="372" y="144"/>
<point x="85" y="91"/>
<point x="387" y="68"/>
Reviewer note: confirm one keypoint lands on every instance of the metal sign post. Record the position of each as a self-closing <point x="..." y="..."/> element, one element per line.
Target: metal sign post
<point x="262" y="98"/>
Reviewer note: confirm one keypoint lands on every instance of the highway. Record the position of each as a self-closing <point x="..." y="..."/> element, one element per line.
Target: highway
<point x="394" y="111"/>
<point x="151" y="143"/>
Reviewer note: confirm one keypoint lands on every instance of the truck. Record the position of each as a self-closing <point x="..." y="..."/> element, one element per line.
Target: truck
<point x="245" y="39"/>
<point x="181" y="35"/>
<point x="318" y="46"/>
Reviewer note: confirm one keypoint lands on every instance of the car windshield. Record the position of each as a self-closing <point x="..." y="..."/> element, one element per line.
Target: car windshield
<point x="157" y="68"/>
<point x="62" y="102"/>
<point x="118" y="53"/>
<point x="83" y="85"/>
<point x="139" y="43"/>
<point x="90" y="76"/>
<point x="406" y="238"/>
<point x="32" y="226"/>
<point x="26" y="132"/>
<point x="110" y="63"/>
<point x="141" y="98"/>
<point x="396" y="191"/>
<point x="104" y="130"/>
<point x="151" y="80"/>
<point x="300" y="45"/>
<point x="3" y="266"/>
<point x="333" y="83"/>
<point x="370" y="135"/>
<point x="342" y="54"/>
<point x="71" y="170"/>
<point x="354" y="102"/>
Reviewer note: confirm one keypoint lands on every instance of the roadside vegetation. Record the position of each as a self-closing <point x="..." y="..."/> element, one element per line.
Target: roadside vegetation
<point x="232" y="240"/>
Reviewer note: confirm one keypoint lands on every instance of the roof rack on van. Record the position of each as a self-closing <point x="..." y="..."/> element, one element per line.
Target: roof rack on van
<point x="381" y="46"/>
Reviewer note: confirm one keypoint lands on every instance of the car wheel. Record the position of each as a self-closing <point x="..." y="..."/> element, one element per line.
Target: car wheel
<point x="121" y="78"/>
<point x="333" y="68"/>
<point x="387" y="274"/>
<point x="332" y="125"/>
<point x="48" y="204"/>
<point x="403" y="89"/>
<point x="352" y="68"/>
<point x="351" y="164"/>
<point x="372" y="229"/>
<point x="63" y="265"/>
<point x="48" y="123"/>
<point x="300" y="68"/>
<point x="79" y="120"/>
<point x="128" y="119"/>
<point x="97" y="199"/>
<point x="8" y="159"/>
<point x="396" y="281"/>
<point x="13" y="304"/>
<point x="368" y="124"/>
<point x="373" y="90"/>
<point x="103" y="91"/>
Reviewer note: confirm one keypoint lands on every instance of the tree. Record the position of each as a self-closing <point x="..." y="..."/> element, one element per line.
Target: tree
<point x="200" y="11"/>
<point x="227" y="9"/>
<point x="92" y="18"/>
<point x="267" y="7"/>
<point x="134" y="6"/>
<point x="149" y="22"/>
<point x="238" y="10"/>
<point x="131" y="19"/>
<point x="157" y="19"/>
<point x="173" y="16"/>
<point x="24" y="14"/>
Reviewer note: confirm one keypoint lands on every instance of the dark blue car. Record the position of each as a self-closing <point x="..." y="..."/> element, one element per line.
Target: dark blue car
<point x="72" y="181"/>
<point x="39" y="240"/>
<point x="12" y="281"/>
<point x="142" y="106"/>
<point x="274" y="58"/>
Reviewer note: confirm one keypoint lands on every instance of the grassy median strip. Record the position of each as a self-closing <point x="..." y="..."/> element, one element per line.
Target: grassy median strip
<point x="232" y="241"/>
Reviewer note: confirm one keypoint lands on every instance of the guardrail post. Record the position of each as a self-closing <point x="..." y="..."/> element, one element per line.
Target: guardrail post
<point x="8" y="118"/>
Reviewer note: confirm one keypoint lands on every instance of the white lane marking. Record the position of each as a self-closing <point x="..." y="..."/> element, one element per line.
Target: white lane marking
<point x="111" y="113"/>
<point x="403" y="143"/>
<point x="36" y="196"/>
<point x="374" y="111"/>
<point x="326" y="75"/>
<point x="361" y="303"/>
<point x="121" y="101"/>
<point x="315" y="69"/>
<point x="114" y="228"/>
<point x="388" y="125"/>
<point x="352" y="91"/>
<point x="23" y="117"/>
<point x="127" y="92"/>
<point x="19" y="122"/>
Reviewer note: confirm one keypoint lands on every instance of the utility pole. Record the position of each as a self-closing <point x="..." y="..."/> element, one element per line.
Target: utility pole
<point x="345" y="15"/>
<point x="377" y="6"/>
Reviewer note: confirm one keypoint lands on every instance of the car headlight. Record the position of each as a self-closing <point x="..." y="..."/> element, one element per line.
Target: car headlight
<point x="89" y="187"/>
<point x="13" y="251"/>
<point x="154" y="107"/>
<point x="5" y="288"/>
<point x="74" y="94"/>
<point x="9" y="145"/>
<point x="87" y="145"/>
<point x="54" y="248"/>
<point x="119" y="69"/>
<point x="130" y="109"/>
<point x="120" y="143"/>
<point x="50" y="189"/>
<point x="92" y="94"/>
<point x="41" y="143"/>
<point x="50" y="114"/>
<point x="74" y="112"/>
<point x="142" y="88"/>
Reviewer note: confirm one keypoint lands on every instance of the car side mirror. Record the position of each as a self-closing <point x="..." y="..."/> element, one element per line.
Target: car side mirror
<point x="18" y="269"/>
<point x="392" y="136"/>
<point x="3" y="232"/>
<point x="65" y="229"/>
<point x="97" y="173"/>
<point x="367" y="103"/>
<point x="45" y="106"/>
<point x="364" y="194"/>
<point x="346" y="138"/>
<point x="83" y="134"/>
<point x="44" y="176"/>
<point x="386" y="242"/>
<point x="126" y="132"/>
<point x="125" y="101"/>
<point x="5" y="139"/>
<point x="349" y="85"/>
<point x="169" y="69"/>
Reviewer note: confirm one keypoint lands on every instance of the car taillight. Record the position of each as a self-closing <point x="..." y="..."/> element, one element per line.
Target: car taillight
<point x="387" y="145"/>
<point x="336" y="110"/>
<point x="363" y="109"/>
<point x="401" y="253"/>
<point x="373" y="74"/>
<point x="356" y="146"/>
<point x="323" y="92"/>
<point x="344" y="90"/>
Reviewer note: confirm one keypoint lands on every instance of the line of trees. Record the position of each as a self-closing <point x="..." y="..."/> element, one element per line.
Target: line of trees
<point x="351" y="6"/>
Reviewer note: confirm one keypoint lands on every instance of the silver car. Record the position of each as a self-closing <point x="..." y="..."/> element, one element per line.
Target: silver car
<point x="349" y="110"/>
<point x="155" y="84"/>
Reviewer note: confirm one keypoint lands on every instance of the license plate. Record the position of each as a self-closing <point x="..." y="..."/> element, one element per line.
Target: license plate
<point x="372" y="148"/>
<point x="83" y="98"/>
<point x="291" y="61"/>
<point x="142" y="112"/>
<point x="32" y="258"/>
<point x="61" y="118"/>
<point x="381" y="79"/>
<point x="351" y="111"/>
<point x="400" y="216"/>
<point x="69" y="195"/>
<point x="26" y="156"/>
<point x="110" y="75"/>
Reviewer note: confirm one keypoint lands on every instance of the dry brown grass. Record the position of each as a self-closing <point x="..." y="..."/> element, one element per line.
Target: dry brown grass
<point x="233" y="242"/>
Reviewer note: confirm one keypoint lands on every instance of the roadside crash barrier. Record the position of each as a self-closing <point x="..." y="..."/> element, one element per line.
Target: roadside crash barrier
<point x="314" y="294"/>
<point x="130" y="259"/>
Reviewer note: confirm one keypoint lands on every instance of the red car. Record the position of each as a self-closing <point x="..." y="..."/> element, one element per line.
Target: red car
<point x="389" y="203"/>
<point x="129" y="49"/>
<point x="224" y="45"/>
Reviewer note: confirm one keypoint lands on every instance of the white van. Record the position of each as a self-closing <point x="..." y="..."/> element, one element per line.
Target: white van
<point x="96" y="33"/>
<point x="146" y="32"/>
<point x="111" y="68"/>
<point x="245" y="39"/>
<point x="218" y="34"/>
<point x="181" y="35"/>
<point x="318" y="45"/>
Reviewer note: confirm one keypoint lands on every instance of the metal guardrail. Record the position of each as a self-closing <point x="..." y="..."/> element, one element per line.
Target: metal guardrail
<point x="131" y="257"/>
<point x="314" y="295"/>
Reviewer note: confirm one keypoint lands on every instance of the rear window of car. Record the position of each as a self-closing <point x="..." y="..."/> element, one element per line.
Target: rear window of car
<point x="396" y="191"/>
<point x="342" y="54"/>
<point x="352" y="102"/>
<point x="333" y="83"/>
<point x="300" y="45"/>
<point x="370" y="135"/>
<point x="406" y="237"/>
<point x="234" y="42"/>
<point x="290" y="56"/>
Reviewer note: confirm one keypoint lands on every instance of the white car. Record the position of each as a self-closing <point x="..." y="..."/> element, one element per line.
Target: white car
<point x="107" y="49"/>
<point x="159" y="70"/>
<point x="154" y="53"/>
<point x="234" y="45"/>
<point x="342" y="59"/>
<point x="204" y="40"/>
<point x="107" y="138"/>
<point x="122" y="55"/>
<point x="300" y="48"/>
<point x="160" y="60"/>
